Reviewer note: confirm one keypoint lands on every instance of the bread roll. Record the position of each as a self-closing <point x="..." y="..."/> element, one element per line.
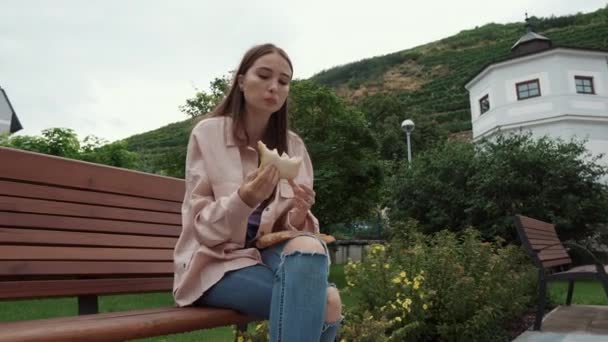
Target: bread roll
<point x="288" y="166"/>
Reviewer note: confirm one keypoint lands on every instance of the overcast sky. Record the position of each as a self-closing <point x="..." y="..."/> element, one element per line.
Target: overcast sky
<point x="115" y="68"/>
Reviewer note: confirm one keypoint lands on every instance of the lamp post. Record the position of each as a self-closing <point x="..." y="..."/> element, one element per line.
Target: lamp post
<point x="408" y="127"/>
<point x="8" y="119"/>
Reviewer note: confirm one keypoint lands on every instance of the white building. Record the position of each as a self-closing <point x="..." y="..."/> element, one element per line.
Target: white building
<point x="549" y="90"/>
<point x="9" y="123"/>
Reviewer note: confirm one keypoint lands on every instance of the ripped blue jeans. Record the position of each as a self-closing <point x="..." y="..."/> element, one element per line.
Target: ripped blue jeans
<point x="288" y="290"/>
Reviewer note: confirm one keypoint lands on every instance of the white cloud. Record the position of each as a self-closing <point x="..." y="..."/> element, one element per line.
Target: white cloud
<point x="117" y="68"/>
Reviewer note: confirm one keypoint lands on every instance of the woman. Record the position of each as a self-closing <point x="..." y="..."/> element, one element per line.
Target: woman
<point x="230" y="202"/>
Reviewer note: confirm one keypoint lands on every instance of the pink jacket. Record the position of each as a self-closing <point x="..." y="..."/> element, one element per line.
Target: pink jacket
<point x="214" y="218"/>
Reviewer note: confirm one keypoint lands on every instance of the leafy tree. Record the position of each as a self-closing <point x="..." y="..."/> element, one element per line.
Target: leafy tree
<point x="348" y="175"/>
<point x="61" y="142"/>
<point x="458" y="184"/>
<point x="203" y="102"/>
<point x="385" y="112"/>
<point x="113" y="154"/>
<point x="64" y="142"/>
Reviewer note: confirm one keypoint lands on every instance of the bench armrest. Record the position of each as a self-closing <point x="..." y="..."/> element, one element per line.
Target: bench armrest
<point x="598" y="263"/>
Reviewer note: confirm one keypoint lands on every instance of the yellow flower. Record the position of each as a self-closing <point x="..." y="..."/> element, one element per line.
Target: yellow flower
<point x="403" y="274"/>
<point x="408" y="301"/>
<point x="396" y="280"/>
<point x="343" y="340"/>
<point x="240" y="339"/>
<point x="393" y="306"/>
<point x="425" y="307"/>
<point x="398" y="319"/>
<point x="373" y="265"/>
<point x="378" y="248"/>
<point x="386" y="266"/>
<point x="416" y="285"/>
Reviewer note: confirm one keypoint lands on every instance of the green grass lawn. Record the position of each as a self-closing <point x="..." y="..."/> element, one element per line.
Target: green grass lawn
<point x="585" y="292"/>
<point x="46" y="308"/>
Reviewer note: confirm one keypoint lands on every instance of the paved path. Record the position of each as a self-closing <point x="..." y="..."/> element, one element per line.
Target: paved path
<point x="575" y="323"/>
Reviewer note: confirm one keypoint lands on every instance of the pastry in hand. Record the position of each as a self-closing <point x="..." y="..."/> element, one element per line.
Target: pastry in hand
<point x="288" y="166"/>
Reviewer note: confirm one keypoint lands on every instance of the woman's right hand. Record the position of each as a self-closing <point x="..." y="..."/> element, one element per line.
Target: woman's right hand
<point x="259" y="185"/>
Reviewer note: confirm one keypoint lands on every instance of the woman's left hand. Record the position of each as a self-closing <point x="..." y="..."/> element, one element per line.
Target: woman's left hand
<point x="303" y="196"/>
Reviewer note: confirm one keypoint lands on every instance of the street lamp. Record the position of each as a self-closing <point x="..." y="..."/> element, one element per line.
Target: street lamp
<point x="8" y="119"/>
<point x="408" y="127"/>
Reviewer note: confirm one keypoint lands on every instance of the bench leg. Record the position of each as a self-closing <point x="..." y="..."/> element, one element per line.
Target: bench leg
<point x="570" y="291"/>
<point x="87" y="305"/>
<point x="604" y="281"/>
<point x="542" y="288"/>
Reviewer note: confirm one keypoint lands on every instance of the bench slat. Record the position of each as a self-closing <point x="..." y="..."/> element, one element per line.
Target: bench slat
<point x="557" y="262"/>
<point x="42" y="221"/>
<point x="25" y="166"/>
<point x="542" y="238"/>
<point x="541" y="232"/>
<point x="553" y="255"/>
<point x="538" y="244"/>
<point x="120" y="326"/>
<point x="83" y="253"/>
<point x="16" y="204"/>
<point x="49" y="237"/>
<point x="31" y="268"/>
<point x="536" y="224"/>
<point x="535" y="235"/>
<point x="86" y="197"/>
<point x="78" y="287"/>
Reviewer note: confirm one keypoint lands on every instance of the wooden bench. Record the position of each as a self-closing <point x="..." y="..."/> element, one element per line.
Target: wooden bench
<point x="548" y="252"/>
<point x="76" y="229"/>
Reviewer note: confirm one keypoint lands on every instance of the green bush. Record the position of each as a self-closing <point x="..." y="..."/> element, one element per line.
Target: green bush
<point x="439" y="287"/>
<point x="458" y="184"/>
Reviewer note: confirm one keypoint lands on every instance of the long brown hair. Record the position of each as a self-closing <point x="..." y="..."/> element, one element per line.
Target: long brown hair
<point x="233" y="104"/>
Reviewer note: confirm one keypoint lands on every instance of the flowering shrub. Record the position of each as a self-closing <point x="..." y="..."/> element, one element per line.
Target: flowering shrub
<point x="261" y="333"/>
<point x="440" y="287"/>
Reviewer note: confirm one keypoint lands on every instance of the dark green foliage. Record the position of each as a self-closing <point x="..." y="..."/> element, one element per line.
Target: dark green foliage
<point x="348" y="176"/>
<point x="457" y="185"/>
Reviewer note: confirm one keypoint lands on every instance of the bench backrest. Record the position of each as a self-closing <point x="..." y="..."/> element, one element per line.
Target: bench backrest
<point x="74" y="228"/>
<point x="536" y="236"/>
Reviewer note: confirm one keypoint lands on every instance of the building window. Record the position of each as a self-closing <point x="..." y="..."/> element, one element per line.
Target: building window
<point x="584" y="85"/>
<point x="484" y="104"/>
<point x="527" y="89"/>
